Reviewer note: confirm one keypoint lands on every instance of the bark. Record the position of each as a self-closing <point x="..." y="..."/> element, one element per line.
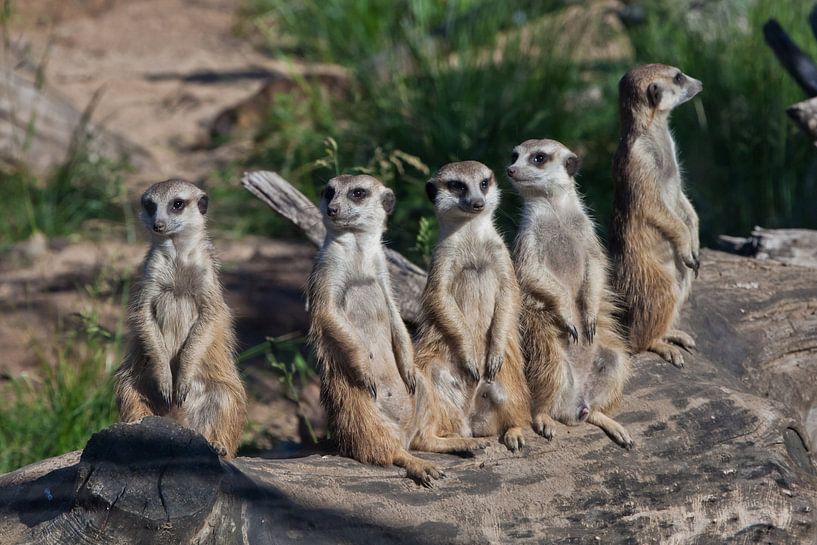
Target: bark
<point x="722" y="456"/>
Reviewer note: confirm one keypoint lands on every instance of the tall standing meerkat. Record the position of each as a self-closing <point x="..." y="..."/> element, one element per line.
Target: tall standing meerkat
<point x="375" y="400"/>
<point x="180" y="358"/>
<point x="468" y="340"/>
<point x="654" y="237"/>
<point x="576" y="362"/>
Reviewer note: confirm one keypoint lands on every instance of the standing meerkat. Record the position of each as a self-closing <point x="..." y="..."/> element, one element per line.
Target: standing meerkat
<point x="375" y="400"/>
<point x="654" y="237"/>
<point x="468" y="343"/>
<point x="180" y="358"/>
<point x="576" y="362"/>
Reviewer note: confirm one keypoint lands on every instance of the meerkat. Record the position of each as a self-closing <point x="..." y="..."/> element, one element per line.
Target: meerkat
<point x="180" y="358"/>
<point x="375" y="400"/>
<point x="467" y="342"/>
<point x="576" y="362"/>
<point x="654" y="241"/>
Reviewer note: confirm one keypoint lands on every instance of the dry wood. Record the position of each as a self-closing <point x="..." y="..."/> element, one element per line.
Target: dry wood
<point x="804" y="115"/>
<point x="408" y="280"/>
<point x="792" y="246"/>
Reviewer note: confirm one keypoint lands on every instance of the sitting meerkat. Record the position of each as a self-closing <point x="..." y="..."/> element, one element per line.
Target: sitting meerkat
<point x="467" y="343"/>
<point x="180" y="356"/>
<point x="375" y="400"/>
<point x="562" y="271"/>
<point x="654" y="236"/>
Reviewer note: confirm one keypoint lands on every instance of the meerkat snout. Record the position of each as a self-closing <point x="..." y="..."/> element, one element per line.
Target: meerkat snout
<point x="173" y="206"/>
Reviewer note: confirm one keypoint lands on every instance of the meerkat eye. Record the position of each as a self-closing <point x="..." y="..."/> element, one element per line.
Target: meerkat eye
<point x="178" y="204"/>
<point x="540" y="158"/>
<point x="149" y="206"/>
<point x="358" y="194"/>
<point x="484" y="183"/>
<point x="679" y="78"/>
<point x="456" y="186"/>
<point x="514" y="157"/>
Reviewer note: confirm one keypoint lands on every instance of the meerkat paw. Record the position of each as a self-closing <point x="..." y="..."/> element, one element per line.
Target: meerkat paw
<point x="494" y="365"/>
<point x="181" y="391"/>
<point x="544" y="425"/>
<point x="681" y="338"/>
<point x="423" y="472"/>
<point x="668" y="352"/>
<point x="470" y="367"/>
<point x="370" y="385"/>
<point x="164" y="385"/>
<point x="410" y="380"/>
<point x="613" y="429"/>
<point x="218" y="448"/>
<point x="589" y="325"/>
<point x="514" y="439"/>
<point x="692" y="262"/>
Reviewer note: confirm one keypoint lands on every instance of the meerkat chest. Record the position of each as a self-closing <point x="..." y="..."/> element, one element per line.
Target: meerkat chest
<point x="364" y="302"/>
<point x="561" y="246"/>
<point x="175" y="305"/>
<point x="476" y="281"/>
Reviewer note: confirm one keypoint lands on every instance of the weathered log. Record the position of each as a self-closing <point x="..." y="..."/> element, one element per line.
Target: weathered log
<point x="721" y="456"/>
<point x="408" y="280"/>
<point x="804" y="115"/>
<point x="792" y="246"/>
<point x="39" y="128"/>
<point x="797" y="63"/>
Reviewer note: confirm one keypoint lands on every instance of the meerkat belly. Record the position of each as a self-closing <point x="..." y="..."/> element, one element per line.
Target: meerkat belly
<point x="564" y="257"/>
<point x="475" y="291"/>
<point x="175" y="314"/>
<point x="366" y="308"/>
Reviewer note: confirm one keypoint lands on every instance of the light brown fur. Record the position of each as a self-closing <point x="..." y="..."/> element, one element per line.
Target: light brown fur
<point x="180" y="358"/>
<point x="576" y="362"/>
<point x="654" y="237"/>
<point x="467" y="343"/>
<point x="375" y="400"/>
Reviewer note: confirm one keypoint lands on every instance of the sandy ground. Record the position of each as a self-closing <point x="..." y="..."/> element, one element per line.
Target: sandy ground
<point x="165" y="68"/>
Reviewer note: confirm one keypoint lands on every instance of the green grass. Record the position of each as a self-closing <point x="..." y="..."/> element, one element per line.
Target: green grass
<point x="423" y="85"/>
<point x="71" y="398"/>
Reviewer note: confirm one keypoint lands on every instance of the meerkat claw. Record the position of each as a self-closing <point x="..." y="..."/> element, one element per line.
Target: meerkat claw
<point x="572" y="333"/>
<point x="494" y="365"/>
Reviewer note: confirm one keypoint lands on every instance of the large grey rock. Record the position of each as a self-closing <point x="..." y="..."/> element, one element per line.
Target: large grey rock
<point x="721" y="456"/>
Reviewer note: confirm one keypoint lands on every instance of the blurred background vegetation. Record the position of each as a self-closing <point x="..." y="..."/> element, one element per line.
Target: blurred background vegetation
<point x="431" y="82"/>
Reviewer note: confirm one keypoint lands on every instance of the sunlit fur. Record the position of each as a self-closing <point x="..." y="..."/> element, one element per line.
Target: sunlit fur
<point x="375" y="400"/>
<point x="654" y="241"/>
<point x="467" y="342"/>
<point x="562" y="271"/>
<point x="180" y="356"/>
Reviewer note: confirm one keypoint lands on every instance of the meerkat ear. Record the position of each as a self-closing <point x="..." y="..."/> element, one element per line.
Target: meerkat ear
<point x="203" y="201"/>
<point x="388" y="201"/>
<point x="431" y="191"/>
<point x="572" y="165"/>
<point x="654" y="94"/>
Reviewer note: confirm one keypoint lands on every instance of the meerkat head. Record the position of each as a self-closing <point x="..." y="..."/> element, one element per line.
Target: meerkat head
<point x="173" y="207"/>
<point x="656" y="87"/>
<point x="463" y="190"/>
<point x="355" y="203"/>
<point x="539" y="167"/>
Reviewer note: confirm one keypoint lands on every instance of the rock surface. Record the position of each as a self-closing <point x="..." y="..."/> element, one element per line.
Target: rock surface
<point x="722" y="456"/>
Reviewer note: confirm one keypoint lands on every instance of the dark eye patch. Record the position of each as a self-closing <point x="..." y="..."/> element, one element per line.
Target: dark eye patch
<point x="514" y="157"/>
<point x="456" y="186"/>
<point x="539" y="158"/>
<point x="357" y="194"/>
<point x="328" y="193"/>
<point x="679" y="78"/>
<point x="149" y="206"/>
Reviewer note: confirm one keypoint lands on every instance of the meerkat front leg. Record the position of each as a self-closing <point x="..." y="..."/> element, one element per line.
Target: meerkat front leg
<point x="341" y="333"/>
<point x="676" y="232"/>
<point x="547" y="289"/>
<point x="154" y="345"/>
<point x="591" y="293"/>
<point x="401" y="342"/>
<point x="196" y="345"/>
<point x="693" y="224"/>
<point x="613" y="429"/>
<point x="503" y="320"/>
<point x="444" y="310"/>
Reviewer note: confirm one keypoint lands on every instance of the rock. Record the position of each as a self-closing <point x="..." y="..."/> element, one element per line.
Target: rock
<point x="792" y="246"/>
<point x="722" y="456"/>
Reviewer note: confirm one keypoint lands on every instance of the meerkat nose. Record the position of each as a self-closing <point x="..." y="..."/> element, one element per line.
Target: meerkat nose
<point x="511" y="171"/>
<point x="478" y="204"/>
<point x="332" y="211"/>
<point x="159" y="226"/>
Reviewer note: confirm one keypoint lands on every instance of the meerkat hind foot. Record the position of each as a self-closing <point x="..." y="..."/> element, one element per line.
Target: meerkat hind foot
<point x="544" y="425"/>
<point x="218" y="448"/>
<point x="668" y="352"/>
<point x="613" y="429"/>
<point x="418" y="470"/>
<point x="680" y="338"/>
<point x="514" y="439"/>
<point x="451" y="444"/>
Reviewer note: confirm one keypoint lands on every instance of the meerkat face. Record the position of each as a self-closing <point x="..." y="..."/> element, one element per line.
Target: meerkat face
<point x="540" y="166"/>
<point x="173" y="207"/>
<point x="659" y="87"/>
<point x="463" y="190"/>
<point x="355" y="203"/>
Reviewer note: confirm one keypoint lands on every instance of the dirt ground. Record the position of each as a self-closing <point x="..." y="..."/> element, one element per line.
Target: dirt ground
<point x="166" y="68"/>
